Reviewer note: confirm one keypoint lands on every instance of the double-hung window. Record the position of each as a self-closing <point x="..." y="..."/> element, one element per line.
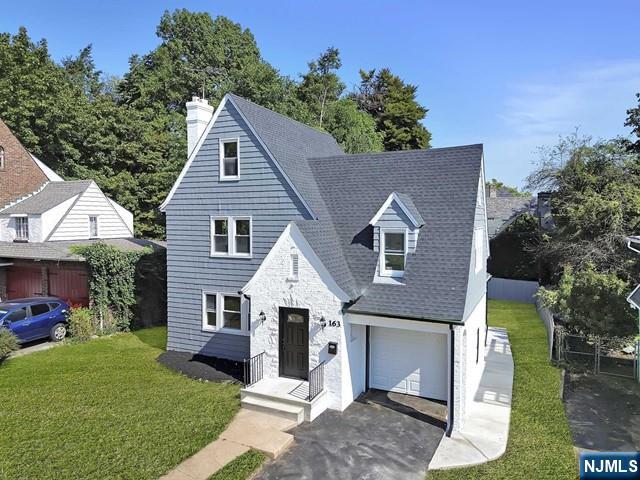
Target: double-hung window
<point x="224" y="312"/>
<point x="230" y="159"/>
<point x="22" y="229"/>
<point x="393" y="252"/>
<point x="231" y="236"/>
<point x="93" y="226"/>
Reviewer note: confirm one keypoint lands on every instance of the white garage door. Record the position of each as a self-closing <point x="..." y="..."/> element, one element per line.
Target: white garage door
<point x="409" y="362"/>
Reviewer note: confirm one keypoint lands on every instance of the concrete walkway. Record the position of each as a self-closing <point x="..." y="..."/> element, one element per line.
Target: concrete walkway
<point x="32" y="347"/>
<point x="249" y="429"/>
<point x="483" y="436"/>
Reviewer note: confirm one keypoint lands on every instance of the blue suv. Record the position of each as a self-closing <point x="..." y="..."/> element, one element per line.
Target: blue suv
<point x="35" y="318"/>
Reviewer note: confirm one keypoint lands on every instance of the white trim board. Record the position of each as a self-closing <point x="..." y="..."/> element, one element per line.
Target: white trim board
<point x="393" y="196"/>
<point x="204" y="136"/>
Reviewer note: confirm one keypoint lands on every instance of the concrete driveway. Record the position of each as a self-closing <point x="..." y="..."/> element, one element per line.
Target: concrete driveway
<point x="366" y="441"/>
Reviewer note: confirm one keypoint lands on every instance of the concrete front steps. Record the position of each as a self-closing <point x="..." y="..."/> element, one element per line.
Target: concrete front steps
<point x="285" y="398"/>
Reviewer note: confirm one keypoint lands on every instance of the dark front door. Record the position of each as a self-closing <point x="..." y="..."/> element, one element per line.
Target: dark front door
<point x="294" y="343"/>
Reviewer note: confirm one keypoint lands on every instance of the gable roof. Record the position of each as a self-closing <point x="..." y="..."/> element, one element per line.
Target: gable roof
<point x="54" y="193"/>
<point x="288" y="142"/>
<point x="502" y="211"/>
<point x="405" y="203"/>
<point x="442" y="184"/>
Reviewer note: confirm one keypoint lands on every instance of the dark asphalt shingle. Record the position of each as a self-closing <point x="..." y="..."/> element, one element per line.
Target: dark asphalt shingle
<point x="503" y="210"/>
<point x="345" y="191"/>
<point x="54" y="193"/>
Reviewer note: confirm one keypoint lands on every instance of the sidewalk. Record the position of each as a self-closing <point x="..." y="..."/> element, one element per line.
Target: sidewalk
<point x="247" y="430"/>
<point x="483" y="436"/>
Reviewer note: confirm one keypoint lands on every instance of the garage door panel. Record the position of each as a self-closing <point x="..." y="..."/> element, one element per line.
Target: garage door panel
<point x="413" y="363"/>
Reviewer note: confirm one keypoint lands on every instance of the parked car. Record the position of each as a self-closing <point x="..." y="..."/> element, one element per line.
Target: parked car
<point x="35" y="318"/>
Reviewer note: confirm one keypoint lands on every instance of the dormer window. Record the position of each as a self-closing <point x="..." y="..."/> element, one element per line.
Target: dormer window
<point x="1" y="158"/>
<point x="230" y="159"/>
<point x="393" y="254"/>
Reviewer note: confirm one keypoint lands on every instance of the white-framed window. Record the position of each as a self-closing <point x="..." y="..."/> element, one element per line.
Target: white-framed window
<point x="22" y="229"/>
<point x="229" y="159"/>
<point x="93" y="226"/>
<point x="210" y="317"/>
<point x="1" y="158"/>
<point x="393" y="251"/>
<point x="225" y="312"/>
<point x="478" y="250"/>
<point x="231" y="236"/>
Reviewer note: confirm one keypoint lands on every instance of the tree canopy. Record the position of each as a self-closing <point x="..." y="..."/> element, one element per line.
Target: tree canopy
<point x="595" y="205"/>
<point x="129" y="134"/>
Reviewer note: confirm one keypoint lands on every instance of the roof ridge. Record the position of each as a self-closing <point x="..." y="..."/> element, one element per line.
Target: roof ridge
<point x="399" y="152"/>
<point x="314" y="129"/>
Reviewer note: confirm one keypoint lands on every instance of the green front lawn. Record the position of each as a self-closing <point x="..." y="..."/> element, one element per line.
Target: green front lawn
<point x="540" y="444"/>
<point x="105" y="409"/>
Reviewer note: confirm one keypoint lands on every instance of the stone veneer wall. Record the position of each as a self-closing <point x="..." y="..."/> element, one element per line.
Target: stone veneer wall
<point x="273" y="288"/>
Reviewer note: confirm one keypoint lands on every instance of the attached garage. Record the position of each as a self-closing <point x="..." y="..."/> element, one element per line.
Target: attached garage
<point x="410" y="362"/>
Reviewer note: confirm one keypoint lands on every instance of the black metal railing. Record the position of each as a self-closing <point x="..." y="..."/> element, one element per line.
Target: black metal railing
<point x="253" y="369"/>
<point x="316" y="381"/>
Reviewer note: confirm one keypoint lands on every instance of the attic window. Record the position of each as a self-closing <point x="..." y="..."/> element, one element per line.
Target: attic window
<point x="393" y="252"/>
<point x="1" y="158"/>
<point x="230" y="159"/>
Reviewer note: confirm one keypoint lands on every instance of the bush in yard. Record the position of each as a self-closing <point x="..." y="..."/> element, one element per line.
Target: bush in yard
<point x="8" y="343"/>
<point x="591" y="302"/>
<point x="81" y="324"/>
<point x="111" y="283"/>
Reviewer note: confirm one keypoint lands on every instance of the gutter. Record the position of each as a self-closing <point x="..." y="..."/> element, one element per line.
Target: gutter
<point x="450" y="419"/>
<point x="630" y="247"/>
<point x="404" y="317"/>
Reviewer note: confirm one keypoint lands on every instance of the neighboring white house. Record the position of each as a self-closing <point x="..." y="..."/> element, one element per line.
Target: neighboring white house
<point x="331" y="274"/>
<point x="42" y="217"/>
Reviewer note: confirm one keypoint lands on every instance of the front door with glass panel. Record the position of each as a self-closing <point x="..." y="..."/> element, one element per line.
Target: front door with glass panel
<point x="294" y="343"/>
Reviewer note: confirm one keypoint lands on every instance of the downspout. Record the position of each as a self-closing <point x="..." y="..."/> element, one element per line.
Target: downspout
<point x="451" y="379"/>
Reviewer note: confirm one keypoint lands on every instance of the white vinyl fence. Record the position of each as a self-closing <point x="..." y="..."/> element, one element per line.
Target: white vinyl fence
<point x="549" y="325"/>
<point x="515" y="290"/>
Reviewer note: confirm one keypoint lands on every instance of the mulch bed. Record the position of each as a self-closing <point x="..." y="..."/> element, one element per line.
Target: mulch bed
<point x="201" y="367"/>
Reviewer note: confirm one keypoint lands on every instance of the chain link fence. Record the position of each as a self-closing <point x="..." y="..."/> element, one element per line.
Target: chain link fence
<point x="599" y="355"/>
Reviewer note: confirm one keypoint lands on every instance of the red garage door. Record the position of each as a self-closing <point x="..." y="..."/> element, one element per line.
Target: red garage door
<point x="24" y="282"/>
<point x="69" y="283"/>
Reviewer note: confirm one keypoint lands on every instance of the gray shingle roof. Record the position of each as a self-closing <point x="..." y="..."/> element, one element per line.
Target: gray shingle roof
<point x="291" y="143"/>
<point x="59" y="251"/>
<point x="408" y="203"/>
<point x="503" y="210"/>
<point x="442" y="184"/>
<point x="345" y="191"/>
<point x="54" y="193"/>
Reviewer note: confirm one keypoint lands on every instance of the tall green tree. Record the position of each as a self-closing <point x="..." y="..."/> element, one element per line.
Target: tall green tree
<point x="595" y="205"/>
<point x="321" y="86"/>
<point x="393" y="104"/>
<point x="633" y="121"/>
<point x="352" y="128"/>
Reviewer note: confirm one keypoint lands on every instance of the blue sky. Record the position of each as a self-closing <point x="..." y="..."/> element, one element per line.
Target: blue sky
<point x="512" y="75"/>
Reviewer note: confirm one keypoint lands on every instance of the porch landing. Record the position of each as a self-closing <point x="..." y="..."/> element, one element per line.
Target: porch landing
<point x="285" y="397"/>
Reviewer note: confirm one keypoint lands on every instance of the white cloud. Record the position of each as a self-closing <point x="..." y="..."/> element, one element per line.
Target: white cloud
<point x="537" y="111"/>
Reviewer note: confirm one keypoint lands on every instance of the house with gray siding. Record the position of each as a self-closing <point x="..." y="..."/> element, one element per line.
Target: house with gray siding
<point x="327" y="274"/>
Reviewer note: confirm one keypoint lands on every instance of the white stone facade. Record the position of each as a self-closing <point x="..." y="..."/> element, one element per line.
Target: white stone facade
<point x="273" y="287"/>
<point x="469" y="347"/>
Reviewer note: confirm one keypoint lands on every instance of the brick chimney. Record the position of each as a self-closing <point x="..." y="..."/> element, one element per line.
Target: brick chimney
<point x="493" y="191"/>
<point x="199" y="113"/>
